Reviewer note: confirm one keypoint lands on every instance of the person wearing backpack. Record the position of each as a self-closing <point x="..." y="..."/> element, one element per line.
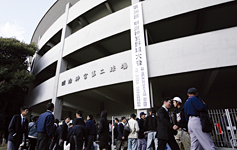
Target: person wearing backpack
<point x="122" y="139"/>
<point x="182" y="137"/>
<point x="192" y="108"/>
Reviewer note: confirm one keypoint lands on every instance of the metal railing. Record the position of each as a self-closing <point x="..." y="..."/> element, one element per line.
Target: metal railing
<point x="224" y="133"/>
<point x="225" y="123"/>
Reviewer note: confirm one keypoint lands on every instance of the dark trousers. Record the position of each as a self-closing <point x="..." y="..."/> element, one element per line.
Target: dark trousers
<point x="52" y="144"/>
<point x="33" y="142"/>
<point x="43" y="141"/>
<point x="75" y="143"/>
<point x="90" y="141"/>
<point x="172" y="143"/>
<point x="60" y="145"/>
<point x="121" y="143"/>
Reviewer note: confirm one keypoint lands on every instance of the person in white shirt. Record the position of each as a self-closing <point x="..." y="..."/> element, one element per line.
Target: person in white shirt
<point x="133" y="136"/>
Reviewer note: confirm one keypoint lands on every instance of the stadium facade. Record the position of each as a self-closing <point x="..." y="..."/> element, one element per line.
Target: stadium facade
<point x="84" y="59"/>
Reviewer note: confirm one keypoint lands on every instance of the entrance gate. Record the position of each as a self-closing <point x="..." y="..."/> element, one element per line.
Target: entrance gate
<point x="224" y="133"/>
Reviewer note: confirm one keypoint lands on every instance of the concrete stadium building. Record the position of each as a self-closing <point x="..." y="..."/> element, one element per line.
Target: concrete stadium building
<point x="84" y="59"/>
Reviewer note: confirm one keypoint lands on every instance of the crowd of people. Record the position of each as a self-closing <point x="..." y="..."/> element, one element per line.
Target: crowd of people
<point x="160" y="130"/>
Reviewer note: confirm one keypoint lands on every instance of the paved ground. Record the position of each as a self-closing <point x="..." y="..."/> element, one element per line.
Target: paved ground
<point x="3" y="147"/>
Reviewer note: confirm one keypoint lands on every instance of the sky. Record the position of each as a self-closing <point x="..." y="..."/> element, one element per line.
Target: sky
<point x="19" y="18"/>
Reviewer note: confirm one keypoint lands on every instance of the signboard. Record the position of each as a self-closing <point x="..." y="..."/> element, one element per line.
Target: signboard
<point x="139" y="61"/>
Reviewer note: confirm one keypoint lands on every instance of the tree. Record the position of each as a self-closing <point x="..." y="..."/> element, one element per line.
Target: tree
<point x="14" y="76"/>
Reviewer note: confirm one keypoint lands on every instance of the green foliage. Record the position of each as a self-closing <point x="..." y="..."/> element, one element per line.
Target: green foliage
<point x="14" y="77"/>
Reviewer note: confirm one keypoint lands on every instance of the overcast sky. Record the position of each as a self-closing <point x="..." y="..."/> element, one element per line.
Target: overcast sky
<point x="19" y="18"/>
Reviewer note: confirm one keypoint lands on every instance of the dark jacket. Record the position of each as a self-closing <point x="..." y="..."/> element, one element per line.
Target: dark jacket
<point x="64" y="131"/>
<point x="45" y="123"/>
<point x="120" y="132"/>
<point x="142" y="129"/>
<point x="165" y="127"/>
<point x="115" y="130"/>
<point x="55" y="126"/>
<point x="79" y="131"/>
<point x="76" y="120"/>
<point x="150" y="123"/>
<point x="90" y="128"/>
<point x="179" y="118"/>
<point x="16" y="130"/>
<point x="57" y="136"/>
<point x="104" y="130"/>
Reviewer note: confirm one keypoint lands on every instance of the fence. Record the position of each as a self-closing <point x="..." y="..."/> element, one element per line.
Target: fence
<point x="224" y="133"/>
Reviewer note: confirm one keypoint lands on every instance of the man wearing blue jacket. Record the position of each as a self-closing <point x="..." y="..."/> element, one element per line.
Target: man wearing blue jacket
<point x="192" y="107"/>
<point x="122" y="140"/>
<point x="45" y="125"/>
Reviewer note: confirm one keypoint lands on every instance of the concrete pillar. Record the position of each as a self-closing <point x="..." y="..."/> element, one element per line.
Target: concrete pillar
<point x="58" y="109"/>
<point x="61" y="67"/>
<point x="68" y="31"/>
<point x="135" y="1"/>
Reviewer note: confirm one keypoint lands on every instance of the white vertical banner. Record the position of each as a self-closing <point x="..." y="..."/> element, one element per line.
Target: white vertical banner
<point x="139" y="60"/>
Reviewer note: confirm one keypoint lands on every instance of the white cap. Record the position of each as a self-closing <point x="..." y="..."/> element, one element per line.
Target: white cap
<point x="177" y="99"/>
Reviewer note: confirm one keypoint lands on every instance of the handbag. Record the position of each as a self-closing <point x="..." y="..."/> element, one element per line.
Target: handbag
<point x="206" y="121"/>
<point x="126" y="131"/>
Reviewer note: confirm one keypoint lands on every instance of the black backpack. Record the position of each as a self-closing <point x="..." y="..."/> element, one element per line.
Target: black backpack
<point x="207" y="124"/>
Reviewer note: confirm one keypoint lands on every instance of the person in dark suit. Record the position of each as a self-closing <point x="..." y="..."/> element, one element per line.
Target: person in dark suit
<point x="115" y="128"/>
<point x="79" y="118"/>
<point x="64" y="132"/>
<point x="121" y="139"/>
<point x="76" y="136"/>
<point x="150" y="125"/>
<point x="57" y="133"/>
<point x="54" y="141"/>
<point x="18" y="128"/>
<point x="91" y="132"/>
<point x="104" y="131"/>
<point x="166" y="130"/>
<point x="141" y="143"/>
<point x="70" y="127"/>
<point x="57" y="138"/>
<point x="45" y="125"/>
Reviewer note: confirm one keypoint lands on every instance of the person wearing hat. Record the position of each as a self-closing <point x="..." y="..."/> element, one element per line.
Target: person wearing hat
<point x="182" y="137"/>
<point x="141" y="143"/>
<point x="193" y="105"/>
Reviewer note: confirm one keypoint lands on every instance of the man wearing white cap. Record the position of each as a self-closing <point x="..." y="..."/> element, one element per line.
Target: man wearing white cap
<point x="182" y="137"/>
